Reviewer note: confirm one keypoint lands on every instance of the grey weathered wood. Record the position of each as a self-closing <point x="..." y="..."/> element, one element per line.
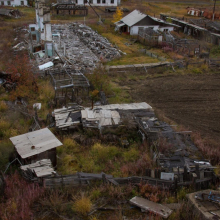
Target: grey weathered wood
<point x="150" y="206"/>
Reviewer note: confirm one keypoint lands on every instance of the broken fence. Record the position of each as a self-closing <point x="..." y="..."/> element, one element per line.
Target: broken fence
<point x="198" y="182"/>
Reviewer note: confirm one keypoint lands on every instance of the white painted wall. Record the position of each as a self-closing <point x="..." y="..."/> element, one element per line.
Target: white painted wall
<point x="47" y="32"/>
<point x="13" y="3"/>
<point x="40" y="22"/>
<point x="101" y="2"/>
<point x="166" y="28"/>
<point x="135" y="29"/>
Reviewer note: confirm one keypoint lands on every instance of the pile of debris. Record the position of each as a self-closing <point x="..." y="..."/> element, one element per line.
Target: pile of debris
<point x="98" y="44"/>
<point x="10" y="13"/>
<point x="173" y="150"/>
<point x="69" y="47"/>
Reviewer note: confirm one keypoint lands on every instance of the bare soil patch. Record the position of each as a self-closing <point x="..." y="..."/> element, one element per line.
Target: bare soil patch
<point x="192" y="101"/>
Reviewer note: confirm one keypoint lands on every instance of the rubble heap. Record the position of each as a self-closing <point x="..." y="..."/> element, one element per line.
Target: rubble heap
<point x="95" y="42"/>
<point x="69" y="45"/>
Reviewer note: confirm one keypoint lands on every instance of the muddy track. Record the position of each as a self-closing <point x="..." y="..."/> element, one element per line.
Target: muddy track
<point x="191" y="101"/>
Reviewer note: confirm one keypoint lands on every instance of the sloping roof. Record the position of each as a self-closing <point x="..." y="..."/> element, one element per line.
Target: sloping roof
<point x="35" y="142"/>
<point x="162" y="21"/>
<point x="188" y="24"/>
<point x="136" y="16"/>
<point x="206" y="23"/>
<point x="133" y="18"/>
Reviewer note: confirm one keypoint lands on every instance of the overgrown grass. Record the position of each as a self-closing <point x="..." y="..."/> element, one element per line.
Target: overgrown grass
<point x="82" y="205"/>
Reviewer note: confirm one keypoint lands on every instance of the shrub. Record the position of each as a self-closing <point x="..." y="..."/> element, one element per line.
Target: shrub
<point x="21" y="73"/>
<point x="102" y="154"/>
<point x="196" y="70"/>
<point x="53" y="201"/>
<point x="19" y="197"/>
<point x="153" y="193"/>
<point x="181" y="194"/>
<point x="131" y="155"/>
<point x="95" y="194"/>
<point x="3" y="106"/>
<point x="83" y="205"/>
<point x="70" y="145"/>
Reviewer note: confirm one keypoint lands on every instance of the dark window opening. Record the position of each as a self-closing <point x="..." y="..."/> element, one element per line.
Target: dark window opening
<point x="34" y="37"/>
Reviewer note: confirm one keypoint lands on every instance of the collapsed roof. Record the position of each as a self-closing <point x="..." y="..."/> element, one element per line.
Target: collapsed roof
<point x="206" y="23"/>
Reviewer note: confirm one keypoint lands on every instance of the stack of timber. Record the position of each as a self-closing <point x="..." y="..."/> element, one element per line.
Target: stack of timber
<point x="68" y="117"/>
<point x="42" y="168"/>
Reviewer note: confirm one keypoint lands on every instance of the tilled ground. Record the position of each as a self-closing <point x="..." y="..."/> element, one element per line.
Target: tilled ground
<point x="191" y="101"/>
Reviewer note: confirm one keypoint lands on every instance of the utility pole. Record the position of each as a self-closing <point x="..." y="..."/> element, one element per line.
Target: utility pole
<point x="213" y="16"/>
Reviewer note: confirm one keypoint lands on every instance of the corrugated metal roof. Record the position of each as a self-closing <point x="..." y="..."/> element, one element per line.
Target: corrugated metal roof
<point x="132" y="18"/>
<point x="35" y="142"/>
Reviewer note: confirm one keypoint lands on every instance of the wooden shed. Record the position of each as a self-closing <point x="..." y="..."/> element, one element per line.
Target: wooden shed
<point x="36" y="145"/>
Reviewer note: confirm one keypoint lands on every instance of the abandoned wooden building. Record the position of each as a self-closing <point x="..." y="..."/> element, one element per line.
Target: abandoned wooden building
<point x="37" y="145"/>
<point x="70" y="9"/>
<point x="92" y="2"/>
<point x="200" y="29"/>
<point x="113" y="115"/>
<point x="136" y="20"/>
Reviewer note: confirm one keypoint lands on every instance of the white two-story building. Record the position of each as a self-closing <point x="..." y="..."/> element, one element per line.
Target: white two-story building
<point x="13" y="2"/>
<point x="93" y="2"/>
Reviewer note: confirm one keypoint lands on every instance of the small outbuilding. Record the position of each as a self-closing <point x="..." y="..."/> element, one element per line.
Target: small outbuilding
<point x="37" y="145"/>
<point x="136" y="20"/>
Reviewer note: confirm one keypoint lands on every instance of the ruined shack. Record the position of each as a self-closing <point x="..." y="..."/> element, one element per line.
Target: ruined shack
<point x="37" y="145"/>
<point x="113" y="115"/>
<point x="69" y="8"/>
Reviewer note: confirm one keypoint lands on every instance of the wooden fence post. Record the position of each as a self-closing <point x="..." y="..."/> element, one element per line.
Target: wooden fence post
<point x="185" y="174"/>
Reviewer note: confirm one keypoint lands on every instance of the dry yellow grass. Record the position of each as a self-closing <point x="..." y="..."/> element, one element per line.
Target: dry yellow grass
<point x="83" y="205"/>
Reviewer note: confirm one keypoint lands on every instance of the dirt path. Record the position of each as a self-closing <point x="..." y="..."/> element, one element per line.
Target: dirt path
<point x="191" y="101"/>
